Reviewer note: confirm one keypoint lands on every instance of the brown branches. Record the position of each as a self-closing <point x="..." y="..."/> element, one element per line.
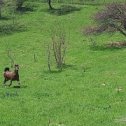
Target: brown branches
<point x="112" y="18"/>
<point x="57" y="48"/>
<point x="10" y="57"/>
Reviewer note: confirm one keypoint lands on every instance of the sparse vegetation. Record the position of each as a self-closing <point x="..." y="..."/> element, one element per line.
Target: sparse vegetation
<point x="91" y="88"/>
<point x="57" y="47"/>
<point x="112" y="18"/>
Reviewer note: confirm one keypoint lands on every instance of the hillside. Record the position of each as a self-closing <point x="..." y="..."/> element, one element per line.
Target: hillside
<point x="89" y="91"/>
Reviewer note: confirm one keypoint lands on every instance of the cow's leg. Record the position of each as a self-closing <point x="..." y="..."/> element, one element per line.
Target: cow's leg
<point x="10" y="83"/>
<point x="4" y="82"/>
<point x="18" y="81"/>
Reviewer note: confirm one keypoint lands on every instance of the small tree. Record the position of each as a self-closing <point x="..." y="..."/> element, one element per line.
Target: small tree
<point x="112" y="18"/>
<point x="57" y="48"/>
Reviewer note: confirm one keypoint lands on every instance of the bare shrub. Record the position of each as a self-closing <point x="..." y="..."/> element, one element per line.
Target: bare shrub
<point x="57" y="47"/>
<point x="9" y="54"/>
<point x="112" y="18"/>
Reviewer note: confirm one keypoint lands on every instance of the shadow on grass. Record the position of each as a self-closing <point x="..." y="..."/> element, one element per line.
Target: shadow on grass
<point x="28" y="7"/>
<point x="25" y="9"/>
<point x="63" y="10"/>
<point x="16" y="86"/>
<point x="22" y="86"/>
<point x="53" y="71"/>
<point x="105" y="48"/>
<point x="6" y="29"/>
<point x="64" y="67"/>
<point x="4" y="18"/>
<point x="93" y="4"/>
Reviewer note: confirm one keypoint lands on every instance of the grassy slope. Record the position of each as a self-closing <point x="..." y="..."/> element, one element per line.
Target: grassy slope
<point x="72" y="97"/>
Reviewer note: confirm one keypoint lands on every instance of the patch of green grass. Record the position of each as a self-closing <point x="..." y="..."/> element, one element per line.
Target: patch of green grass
<point x="85" y="93"/>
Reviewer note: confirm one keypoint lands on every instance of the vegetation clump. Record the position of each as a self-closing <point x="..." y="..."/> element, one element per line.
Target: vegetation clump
<point x="112" y="18"/>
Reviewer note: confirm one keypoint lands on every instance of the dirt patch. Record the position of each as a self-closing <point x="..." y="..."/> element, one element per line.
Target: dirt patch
<point x="116" y="44"/>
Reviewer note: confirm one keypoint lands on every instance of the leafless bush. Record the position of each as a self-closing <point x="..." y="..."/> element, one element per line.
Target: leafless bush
<point x="57" y="47"/>
<point x="111" y="18"/>
<point x="9" y="54"/>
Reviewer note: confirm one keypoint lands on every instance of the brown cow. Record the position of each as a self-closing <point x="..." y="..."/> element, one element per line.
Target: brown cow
<point x="11" y="75"/>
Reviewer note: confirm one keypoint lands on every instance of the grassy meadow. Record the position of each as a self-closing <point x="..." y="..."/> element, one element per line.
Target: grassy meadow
<point x="83" y="94"/>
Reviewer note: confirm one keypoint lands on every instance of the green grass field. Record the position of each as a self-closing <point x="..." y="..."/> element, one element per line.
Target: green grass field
<point x="83" y="94"/>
